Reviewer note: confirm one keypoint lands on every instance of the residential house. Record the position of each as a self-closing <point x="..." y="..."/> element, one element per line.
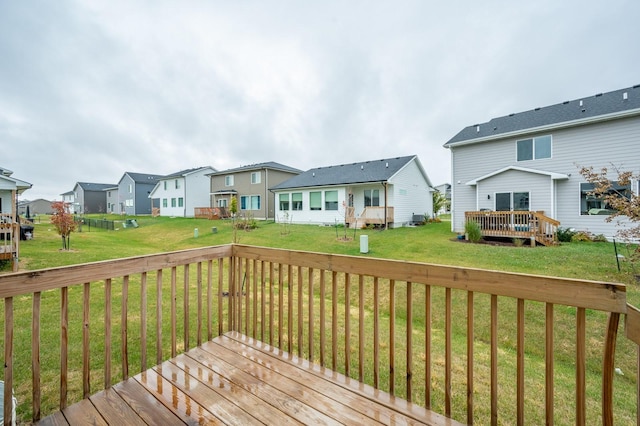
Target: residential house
<point x="530" y="161"/>
<point x="10" y="188"/>
<point x="34" y="207"/>
<point x="69" y="199"/>
<point x="112" y="199"/>
<point x="250" y="184"/>
<point x="444" y="189"/>
<point x="387" y="192"/>
<point x="181" y="192"/>
<point x="133" y="193"/>
<point x="90" y="197"/>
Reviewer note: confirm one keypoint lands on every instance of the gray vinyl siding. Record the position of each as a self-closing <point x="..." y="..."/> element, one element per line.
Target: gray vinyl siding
<point x="599" y="145"/>
<point x="538" y="187"/>
<point x="411" y="195"/>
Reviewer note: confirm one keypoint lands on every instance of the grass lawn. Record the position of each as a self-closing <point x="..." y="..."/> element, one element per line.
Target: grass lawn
<point x="432" y="243"/>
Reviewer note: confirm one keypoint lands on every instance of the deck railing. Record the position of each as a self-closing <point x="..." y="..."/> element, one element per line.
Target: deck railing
<point x="474" y="345"/>
<point x="531" y="225"/>
<point x="370" y="216"/>
<point x="9" y="236"/>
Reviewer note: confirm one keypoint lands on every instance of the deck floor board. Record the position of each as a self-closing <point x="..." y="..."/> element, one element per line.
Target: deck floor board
<point x="234" y="379"/>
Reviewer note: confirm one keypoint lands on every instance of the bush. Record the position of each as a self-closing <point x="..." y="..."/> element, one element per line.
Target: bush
<point x="581" y="236"/>
<point x="565" y="234"/>
<point x="600" y="238"/>
<point x="472" y="231"/>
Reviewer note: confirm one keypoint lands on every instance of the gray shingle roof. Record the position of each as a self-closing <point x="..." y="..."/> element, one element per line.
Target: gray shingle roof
<point x="354" y="173"/>
<point x="258" y="166"/>
<point x="591" y="107"/>
<point x="144" y="178"/>
<point x="184" y="172"/>
<point x="90" y="186"/>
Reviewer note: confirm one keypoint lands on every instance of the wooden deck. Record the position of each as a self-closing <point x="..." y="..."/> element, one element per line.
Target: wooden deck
<point x="234" y="379"/>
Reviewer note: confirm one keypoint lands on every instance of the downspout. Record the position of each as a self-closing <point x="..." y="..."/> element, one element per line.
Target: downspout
<point x="266" y="193"/>
<point x="386" y="224"/>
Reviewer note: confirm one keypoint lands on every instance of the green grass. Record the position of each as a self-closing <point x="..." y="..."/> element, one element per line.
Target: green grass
<point x="432" y="243"/>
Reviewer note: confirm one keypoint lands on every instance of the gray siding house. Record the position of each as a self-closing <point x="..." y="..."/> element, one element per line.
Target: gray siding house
<point x="250" y="184"/>
<point x="181" y="192"/>
<point x="90" y="197"/>
<point x="387" y="192"/>
<point x="133" y="193"/>
<point x="531" y="160"/>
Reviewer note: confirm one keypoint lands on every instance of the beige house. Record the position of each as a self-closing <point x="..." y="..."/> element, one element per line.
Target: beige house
<point x="250" y="184"/>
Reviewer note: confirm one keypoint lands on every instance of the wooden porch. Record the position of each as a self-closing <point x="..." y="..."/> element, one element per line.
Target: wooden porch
<point x="530" y="225"/>
<point x="370" y="216"/>
<point x="312" y="337"/>
<point x="9" y="238"/>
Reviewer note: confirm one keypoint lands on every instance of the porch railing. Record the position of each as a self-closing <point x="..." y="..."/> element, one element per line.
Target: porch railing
<point x="474" y="345"/>
<point x="370" y="216"/>
<point x="531" y="225"/>
<point x="9" y="236"/>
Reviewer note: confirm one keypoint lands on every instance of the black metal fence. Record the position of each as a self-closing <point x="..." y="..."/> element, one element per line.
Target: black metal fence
<point x="85" y="224"/>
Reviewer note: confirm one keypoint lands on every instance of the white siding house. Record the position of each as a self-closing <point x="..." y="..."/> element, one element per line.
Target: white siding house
<point x="181" y="192"/>
<point x="357" y="193"/>
<point x="531" y="160"/>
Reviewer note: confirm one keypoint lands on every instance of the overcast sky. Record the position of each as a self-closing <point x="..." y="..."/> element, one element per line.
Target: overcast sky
<point x="92" y="89"/>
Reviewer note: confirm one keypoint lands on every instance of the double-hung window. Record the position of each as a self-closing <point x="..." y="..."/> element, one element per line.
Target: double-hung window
<point x="315" y="200"/>
<point x="331" y="200"/>
<point x="284" y="202"/>
<point x="296" y="199"/>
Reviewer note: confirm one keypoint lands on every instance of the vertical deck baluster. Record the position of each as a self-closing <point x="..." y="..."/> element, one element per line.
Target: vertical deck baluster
<point x="581" y="389"/>
<point x="427" y="347"/>
<point x="347" y="324"/>
<point x="311" y="331"/>
<point x="230" y="298"/>
<point x="409" y="352"/>
<point x="255" y="298"/>
<point x="608" y="367"/>
<point x="448" y="365"/>
<point x="494" y="359"/>
<point x="107" y="333"/>
<point x="323" y="317"/>
<point x="289" y="307"/>
<point x="392" y="336"/>
<point x="271" y="283"/>
<point x="8" y="358"/>
<point x="86" y="364"/>
<point x="64" y="346"/>
<point x="173" y="313"/>
<point x="470" y="340"/>
<point x="237" y="296"/>
<point x="143" y="322"/>
<point x="520" y="362"/>
<point x="159" y="316"/>
<point x="35" y="357"/>
<point x="198" y="304"/>
<point x="185" y="309"/>
<point x="219" y="295"/>
<point x="334" y="320"/>
<point x="246" y="292"/>
<point x="300" y="325"/>
<point x="262" y="300"/>
<point x="549" y="364"/>
<point x="280" y="304"/>
<point x="209" y="299"/>
<point x="376" y="333"/>
<point x="124" y="328"/>
<point x="360" y="328"/>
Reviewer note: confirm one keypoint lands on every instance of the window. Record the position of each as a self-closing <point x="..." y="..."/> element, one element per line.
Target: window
<point x="177" y="184"/>
<point x="331" y="200"/>
<point x="180" y="202"/>
<point x="250" y="202"/>
<point x="165" y="185"/>
<point x="284" y="201"/>
<point x="164" y="203"/>
<point x="534" y="148"/>
<point x="590" y="204"/>
<point x="128" y="202"/>
<point x="222" y="202"/>
<point x="315" y="200"/>
<point x="507" y="201"/>
<point x="173" y="202"/>
<point x="228" y="180"/>
<point x="371" y="197"/>
<point x="296" y="199"/>
<point x="255" y="177"/>
<point x="130" y="188"/>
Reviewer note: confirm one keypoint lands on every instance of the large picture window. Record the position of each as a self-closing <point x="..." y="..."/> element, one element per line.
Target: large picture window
<point x="296" y="199"/>
<point x="371" y="198"/>
<point x="315" y="200"/>
<point x="590" y="204"/>
<point x="534" y="148"/>
<point x="507" y="201"/>
<point x="331" y="200"/>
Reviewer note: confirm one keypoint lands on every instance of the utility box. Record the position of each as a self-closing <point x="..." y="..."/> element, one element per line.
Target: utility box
<point x="364" y="244"/>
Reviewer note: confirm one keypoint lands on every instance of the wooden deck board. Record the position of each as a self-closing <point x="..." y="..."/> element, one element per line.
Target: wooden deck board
<point x="234" y="379"/>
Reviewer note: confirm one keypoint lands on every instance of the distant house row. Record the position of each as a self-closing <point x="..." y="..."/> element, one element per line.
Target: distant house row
<point x="387" y="192"/>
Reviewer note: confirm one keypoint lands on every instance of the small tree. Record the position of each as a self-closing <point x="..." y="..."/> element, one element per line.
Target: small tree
<point x="234" y="210"/>
<point x="439" y="202"/>
<point x="62" y="219"/>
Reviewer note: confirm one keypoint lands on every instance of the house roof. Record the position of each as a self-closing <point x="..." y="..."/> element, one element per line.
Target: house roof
<point x="552" y="175"/>
<point x="185" y="172"/>
<point x="599" y="107"/>
<point x="343" y="174"/>
<point x="144" y="177"/>
<point x="90" y="186"/>
<point x="258" y="166"/>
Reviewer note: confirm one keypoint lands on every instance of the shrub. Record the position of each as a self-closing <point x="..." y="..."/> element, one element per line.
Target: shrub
<point x="600" y="238"/>
<point x="473" y="231"/>
<point x="565" y="234"/>
<point x="582" y="236"/>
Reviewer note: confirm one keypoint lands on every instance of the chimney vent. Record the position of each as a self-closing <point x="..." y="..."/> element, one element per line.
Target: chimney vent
<point x="625" y="96"/>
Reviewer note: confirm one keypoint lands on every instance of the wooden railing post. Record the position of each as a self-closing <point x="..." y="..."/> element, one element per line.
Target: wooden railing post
<point x="608" y="368"/>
